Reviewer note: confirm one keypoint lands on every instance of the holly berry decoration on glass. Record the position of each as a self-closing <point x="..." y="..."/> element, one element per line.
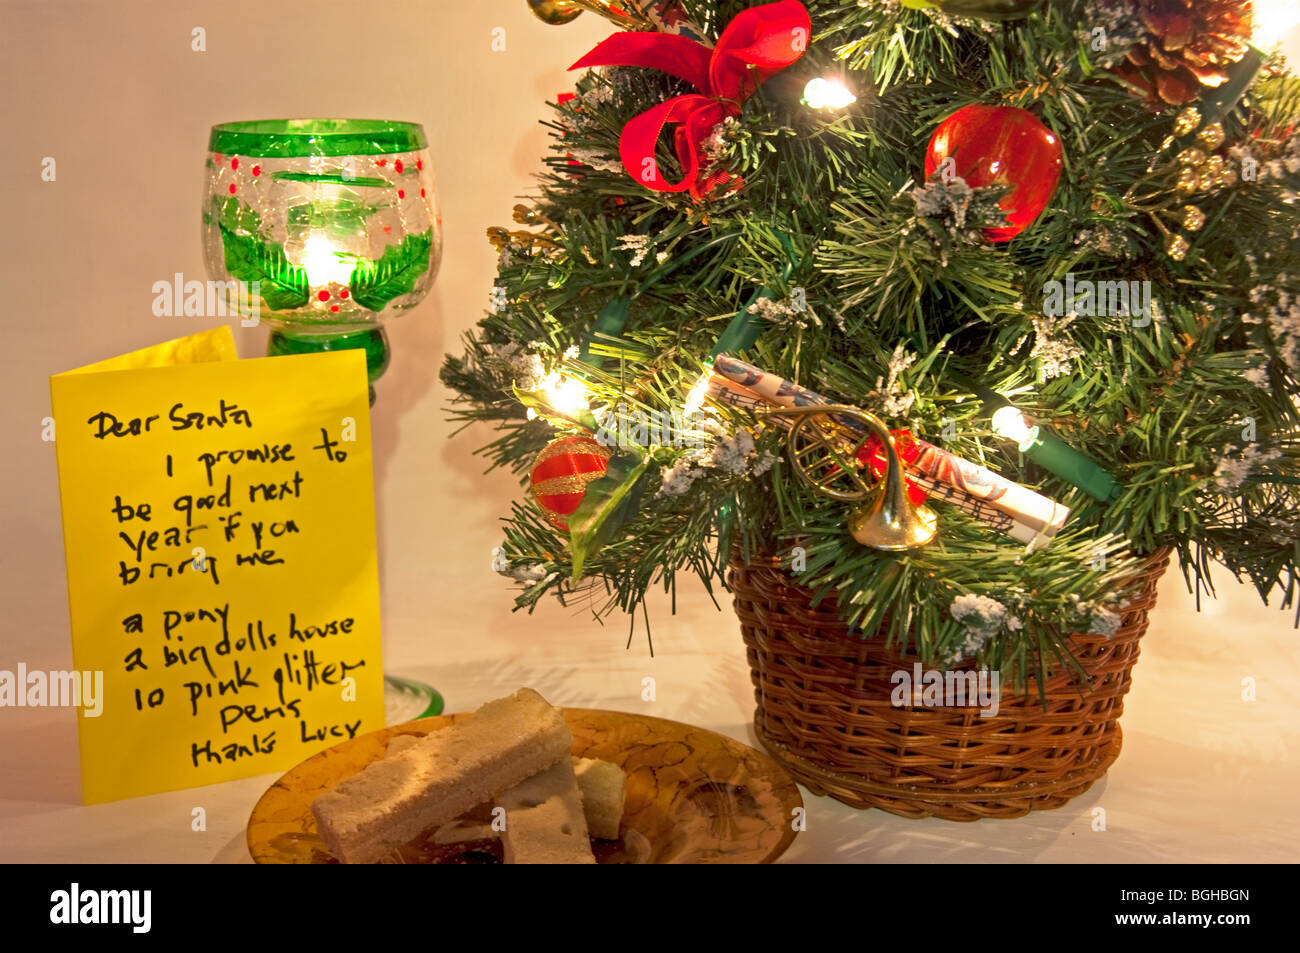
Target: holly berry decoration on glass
<point x="999" y="145"/>
<point x="560" y="474"/>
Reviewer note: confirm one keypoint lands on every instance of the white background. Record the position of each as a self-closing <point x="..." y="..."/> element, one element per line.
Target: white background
<point x="115" y="94"/>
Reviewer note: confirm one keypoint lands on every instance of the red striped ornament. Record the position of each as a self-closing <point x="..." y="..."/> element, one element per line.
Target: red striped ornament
<point x="561" y="472"/>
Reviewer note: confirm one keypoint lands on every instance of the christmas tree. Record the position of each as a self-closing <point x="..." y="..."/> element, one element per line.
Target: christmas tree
<point x="1057" y="241"/>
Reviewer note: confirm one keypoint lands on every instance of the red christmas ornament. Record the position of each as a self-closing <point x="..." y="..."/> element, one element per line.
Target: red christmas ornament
<point x="561" y="472"/>
<point x="1000" y="145"/>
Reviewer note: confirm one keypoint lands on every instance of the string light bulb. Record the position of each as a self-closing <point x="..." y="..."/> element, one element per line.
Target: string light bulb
<point x="1053" y="454"/>
<point x="565" y="395"/>
<point x="823" y="93"/>
<point x="700" y="390"/>
<point x="1009" y="422"/>
<point x="1272" y="19"/>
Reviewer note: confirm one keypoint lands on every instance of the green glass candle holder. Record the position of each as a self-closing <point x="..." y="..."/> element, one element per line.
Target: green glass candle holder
<point x="322" y="228"/>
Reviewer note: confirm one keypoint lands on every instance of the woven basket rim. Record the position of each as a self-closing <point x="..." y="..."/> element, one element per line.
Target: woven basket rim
<point x="1147" y="563"/>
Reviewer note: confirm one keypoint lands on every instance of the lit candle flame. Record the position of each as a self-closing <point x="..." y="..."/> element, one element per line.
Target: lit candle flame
<point x="324" y="263"/>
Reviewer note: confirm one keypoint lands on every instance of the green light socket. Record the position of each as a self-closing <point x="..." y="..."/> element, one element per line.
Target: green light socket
<point x="1055" y="456"/>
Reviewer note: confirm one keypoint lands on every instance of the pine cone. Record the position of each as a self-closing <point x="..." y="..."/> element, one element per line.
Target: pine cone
<point x="1188" y="45"/>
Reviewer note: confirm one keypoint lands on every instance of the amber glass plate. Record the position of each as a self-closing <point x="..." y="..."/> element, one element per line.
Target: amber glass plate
<point x="693" y="797"/>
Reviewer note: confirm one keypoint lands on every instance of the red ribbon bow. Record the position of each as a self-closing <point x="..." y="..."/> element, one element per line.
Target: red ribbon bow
<point x="756" y="45"/>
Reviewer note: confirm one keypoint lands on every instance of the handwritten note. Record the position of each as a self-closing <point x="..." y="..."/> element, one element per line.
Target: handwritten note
<point x="218" y="523"/>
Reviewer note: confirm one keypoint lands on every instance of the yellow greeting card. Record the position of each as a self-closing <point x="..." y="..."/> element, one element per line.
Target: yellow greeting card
<point x="218" y="523"/>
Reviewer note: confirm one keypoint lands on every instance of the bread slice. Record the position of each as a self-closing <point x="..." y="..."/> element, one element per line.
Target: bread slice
<point x="544" y="821"/>
<point x="399" y="743"/>
<point x="601" y="784"/>
<point x="441" y="776"/>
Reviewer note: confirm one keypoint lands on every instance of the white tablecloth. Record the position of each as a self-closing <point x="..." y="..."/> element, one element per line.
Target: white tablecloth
<point x="1204" y="775"/>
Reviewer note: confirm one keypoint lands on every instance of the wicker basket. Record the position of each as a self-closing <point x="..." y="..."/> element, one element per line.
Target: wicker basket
<point x="824" y="711"/>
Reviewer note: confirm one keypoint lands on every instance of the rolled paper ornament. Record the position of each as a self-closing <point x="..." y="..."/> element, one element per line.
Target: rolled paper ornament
<point x="726" y="391"/>
<point x="1019" y="502"/>
<point x="771" y="387"/>
<point x="990" y="516"/>
<point x="1022" y="504"/>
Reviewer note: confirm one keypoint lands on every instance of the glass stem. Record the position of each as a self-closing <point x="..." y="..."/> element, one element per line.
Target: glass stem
<point x="374" y="341"/>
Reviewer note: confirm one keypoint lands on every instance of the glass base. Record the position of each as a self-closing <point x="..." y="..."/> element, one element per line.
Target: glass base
<point x="406" y="700"/>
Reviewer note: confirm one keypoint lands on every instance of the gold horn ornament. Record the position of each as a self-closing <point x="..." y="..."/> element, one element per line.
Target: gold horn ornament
<point x="888" y="520"/>
<point x="557" y="12"/>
